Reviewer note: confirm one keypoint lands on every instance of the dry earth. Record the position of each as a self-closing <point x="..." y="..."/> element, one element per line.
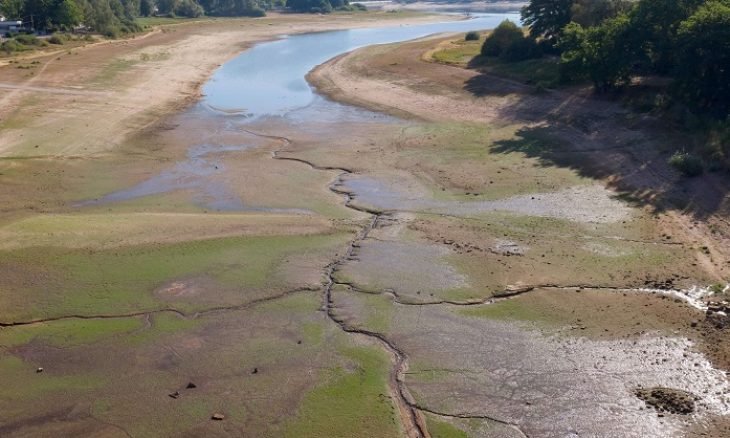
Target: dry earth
<point x="496" y="264"/>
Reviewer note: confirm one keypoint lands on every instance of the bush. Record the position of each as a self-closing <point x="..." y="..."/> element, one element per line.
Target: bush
<point x="57" y="39"/>
<point x="689" y="164"/>
<point x="520" y="50"/>
<point x="355" y="7"/>
<point x="28" y="40"/>
<point x="471" y="36"/>
<point x="505" y="34"/>
<point x="188" y="8"/>
<point x="11" y="46"/>
<point x="256" y="12"/>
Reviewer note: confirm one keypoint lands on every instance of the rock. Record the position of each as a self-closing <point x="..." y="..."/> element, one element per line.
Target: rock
<point x="255" y="371"/>
<point x="175" y="394"/>
<point x="217" y="416"/>
<point x="673" y="401"/>
<point x="39" y="370"/>
<point x="693" y="323"/>
<point x="191" y="385"/>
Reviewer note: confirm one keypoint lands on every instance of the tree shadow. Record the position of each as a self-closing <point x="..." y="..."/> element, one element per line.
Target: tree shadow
<point x="487" y="85"/>
<point x="600" y="140"/>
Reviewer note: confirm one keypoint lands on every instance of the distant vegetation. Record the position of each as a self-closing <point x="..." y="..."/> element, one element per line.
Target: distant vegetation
<point x="509" y="43"/>
<point x="115" y="17"/>
<point x="471" y="36"/>
<point x="110" y="17"/>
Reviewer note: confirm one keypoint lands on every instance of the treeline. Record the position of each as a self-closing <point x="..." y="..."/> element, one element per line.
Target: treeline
<point x="110" y="17"/>
<point x="610" y="42"/>
<point x="113" y="17"/>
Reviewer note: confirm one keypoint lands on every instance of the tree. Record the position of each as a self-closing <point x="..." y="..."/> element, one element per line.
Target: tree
<point x="67" y="14"/>
<point x="593" y="12"/>
<point x="505" y="34"/>
<point x="166" y="6"/>
<point x="146" y="8"/>
<point x="604" y="53"/>
<point x="655" y="24"/>
<point x="310" y="5"/>
<point x="546" y="18"/>
<point x="251" y="8"/>
<point x="703" y="67"/>
<point x="12" y="9"/>
<point x="188" y="8"/>
<point x="39" y="12"/>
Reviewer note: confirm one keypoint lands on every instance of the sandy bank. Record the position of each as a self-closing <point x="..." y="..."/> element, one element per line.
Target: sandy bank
<point x="86" y="100"/>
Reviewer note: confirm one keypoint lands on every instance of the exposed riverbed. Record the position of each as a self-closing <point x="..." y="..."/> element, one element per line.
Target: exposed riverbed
<point x="343" y="272"/>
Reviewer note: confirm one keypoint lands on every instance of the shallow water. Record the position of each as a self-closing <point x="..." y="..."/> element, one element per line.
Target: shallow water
<point x="269" y="79"/>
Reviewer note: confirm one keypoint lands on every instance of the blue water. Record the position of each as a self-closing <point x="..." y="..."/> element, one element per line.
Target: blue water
<point x="269" y="79"/>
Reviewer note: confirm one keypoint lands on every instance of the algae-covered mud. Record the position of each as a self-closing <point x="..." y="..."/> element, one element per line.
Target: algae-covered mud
<point x="270" y="262"/>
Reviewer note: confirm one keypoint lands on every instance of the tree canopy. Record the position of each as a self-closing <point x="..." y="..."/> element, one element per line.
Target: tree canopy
<point x="610" y="41"/>
<point x="703" y="57"/>
<point x="546" y="18"/>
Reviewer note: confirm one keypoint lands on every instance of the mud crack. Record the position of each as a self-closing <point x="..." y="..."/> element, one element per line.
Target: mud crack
<point x="147" y="313"/>
<point x="413" y="421"/>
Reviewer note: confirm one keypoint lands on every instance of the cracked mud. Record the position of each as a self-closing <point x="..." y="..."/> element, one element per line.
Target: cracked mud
<point x="333" y="271"/>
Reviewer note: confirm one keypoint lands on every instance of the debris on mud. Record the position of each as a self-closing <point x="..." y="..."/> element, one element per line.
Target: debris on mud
<point x="717" y="314"/>
<point x="673" y="401"/>
<point x="667" y="284"/>
<point x="506" y="247"/>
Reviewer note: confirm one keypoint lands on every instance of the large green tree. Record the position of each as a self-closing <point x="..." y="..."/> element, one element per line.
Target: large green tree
<point x="12" y="9"/>
<point x="146" y="8"/>
<point x="546" y="18"/>
<point x="602" y="53"/>
<point x="67" y="14"/>
<point x="593" y="12"/>
<point x="656" y="23"/>
<point x="703" y="65"/>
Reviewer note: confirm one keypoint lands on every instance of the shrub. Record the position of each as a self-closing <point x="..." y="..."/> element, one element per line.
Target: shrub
<point x="505" y="34"/>
<point x="11" y="46"/>
<point x="256" y="12"/>
<point x="355" y="7"/>
<point x="690" y="165"/>
<point x="471" y="36"/>
<point x="188" y="8"/>
<point x="520" y="50"/>
<point x="57" y="39"/>
<point x="28" y="40"/>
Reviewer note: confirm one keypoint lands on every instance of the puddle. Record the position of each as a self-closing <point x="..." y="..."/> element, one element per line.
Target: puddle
<point x="196" y="173"/>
